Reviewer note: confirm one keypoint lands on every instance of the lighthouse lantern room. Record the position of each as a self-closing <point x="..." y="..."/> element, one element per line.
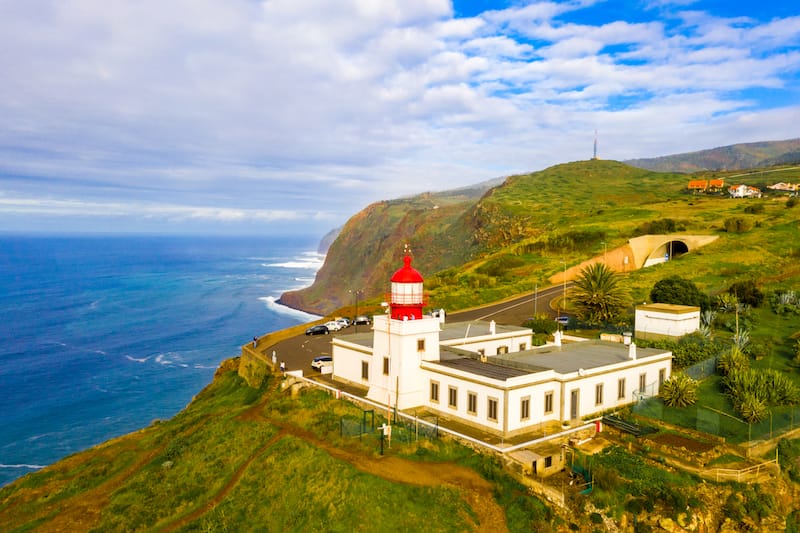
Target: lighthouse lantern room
<point x="407" y="299"/>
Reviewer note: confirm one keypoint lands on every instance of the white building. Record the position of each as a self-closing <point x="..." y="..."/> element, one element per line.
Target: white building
<point x="665" y="321"/>
<point x="486" y="375"/>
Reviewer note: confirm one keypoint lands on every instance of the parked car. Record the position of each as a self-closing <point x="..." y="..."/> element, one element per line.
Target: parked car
<point x="317" y="330"/>
<point x="361" y="320"/>
<point x="344" y="322"/>
<point x="321" y="361"/>
<point x="563" y="320"/>
<point x="333" y="325"/>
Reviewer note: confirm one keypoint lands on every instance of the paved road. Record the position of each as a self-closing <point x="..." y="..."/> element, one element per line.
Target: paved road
<point x="298" y="352"/>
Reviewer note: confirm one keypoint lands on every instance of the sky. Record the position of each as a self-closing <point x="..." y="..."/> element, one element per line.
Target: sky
<point x="290" y="116"/>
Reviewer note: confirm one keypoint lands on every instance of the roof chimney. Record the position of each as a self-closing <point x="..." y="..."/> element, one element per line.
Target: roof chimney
<point x="632" y="351"/>
<point x="492" y="327"/>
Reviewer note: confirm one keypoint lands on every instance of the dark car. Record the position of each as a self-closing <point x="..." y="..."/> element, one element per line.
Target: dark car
<point x="318" y="330"/>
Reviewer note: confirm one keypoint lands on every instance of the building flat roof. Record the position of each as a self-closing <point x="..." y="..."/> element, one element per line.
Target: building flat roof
<point x="480" y="328"/>
<point x="477" y="367"/>
<point x="668" y="308"/>
<point x="572" y="357"/>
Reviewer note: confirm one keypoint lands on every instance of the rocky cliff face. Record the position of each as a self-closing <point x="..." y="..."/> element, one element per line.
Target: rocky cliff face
<point x="370" y="246"/>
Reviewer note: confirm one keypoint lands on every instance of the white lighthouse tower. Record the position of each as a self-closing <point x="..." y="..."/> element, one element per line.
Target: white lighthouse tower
<point x="402" y="339"/>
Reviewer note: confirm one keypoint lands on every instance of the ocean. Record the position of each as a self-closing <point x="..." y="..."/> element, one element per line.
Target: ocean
<point x="99" y="336"/>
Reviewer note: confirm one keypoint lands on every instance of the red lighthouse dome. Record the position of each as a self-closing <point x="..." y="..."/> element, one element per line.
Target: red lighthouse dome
<point x="407" y="297"/>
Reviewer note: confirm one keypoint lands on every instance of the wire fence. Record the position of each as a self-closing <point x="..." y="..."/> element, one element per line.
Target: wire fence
<point x="701" y="370"/>
<point x="715" y="422"/>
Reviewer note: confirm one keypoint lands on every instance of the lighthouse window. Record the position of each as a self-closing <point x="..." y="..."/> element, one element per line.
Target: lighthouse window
<point x="420" y="345"/>
<point x="364" y="370"/>
<point x="385" y="366"/>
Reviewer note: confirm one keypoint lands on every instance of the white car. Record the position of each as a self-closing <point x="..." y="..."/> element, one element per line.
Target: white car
<point x="323" y="360"/>
<point x="333" y="325"/>
<point x="343" y="322"/>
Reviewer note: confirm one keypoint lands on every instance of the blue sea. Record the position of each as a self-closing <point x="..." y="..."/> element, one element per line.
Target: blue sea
<point x="99" y="336"/>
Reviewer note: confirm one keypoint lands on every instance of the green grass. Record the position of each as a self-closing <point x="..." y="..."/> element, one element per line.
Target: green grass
<point x="213" y="468"/>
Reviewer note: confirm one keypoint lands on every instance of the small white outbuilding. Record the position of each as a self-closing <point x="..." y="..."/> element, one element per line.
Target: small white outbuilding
<point x="666" y="321"/>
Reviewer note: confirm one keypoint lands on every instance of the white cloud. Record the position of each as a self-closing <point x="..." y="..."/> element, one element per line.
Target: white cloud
<point x="259" y="109"/>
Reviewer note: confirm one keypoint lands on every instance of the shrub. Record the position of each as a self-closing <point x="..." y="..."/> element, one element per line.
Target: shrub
<point x="679" y="391"/>
<point x="541" y="324"/>
<point x="737" y="225"/>
<point x="733" y="360"/>
<point x="680" y="291"/>
<point x="747" y="293"/>
<point x="785" y="302"/>
<point x="754" y="209"/>
<point x="791" y="202"/>
<point x="499" y="266"/>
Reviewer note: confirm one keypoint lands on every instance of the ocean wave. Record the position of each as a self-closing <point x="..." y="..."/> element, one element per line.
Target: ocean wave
<point x="273" y="305"/>
<point x="160" y="359"/>
<point x="30" y="467"/>
<point x="307" y="260"/>
<point x="137" y="359"/>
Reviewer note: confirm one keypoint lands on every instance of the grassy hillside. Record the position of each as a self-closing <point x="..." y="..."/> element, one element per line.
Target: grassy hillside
<point x="522" y="232"/>
<point x="241" y="459"/>
<point x="734" y="157"/>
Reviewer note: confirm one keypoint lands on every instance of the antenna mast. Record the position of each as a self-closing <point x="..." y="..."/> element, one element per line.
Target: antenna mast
<point x="595" y="145"/>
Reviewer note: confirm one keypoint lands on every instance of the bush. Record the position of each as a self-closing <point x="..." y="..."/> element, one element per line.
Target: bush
<point x="733" y="360"/>
<point x="738" y="225"/>
<point x="679" y="291"/>
<point x="747" y="293"/>
<point x="541" y="324"/>
<point x="754" y="209"/>
<point x="785" y="302"/>
<point x="499" y="266"/>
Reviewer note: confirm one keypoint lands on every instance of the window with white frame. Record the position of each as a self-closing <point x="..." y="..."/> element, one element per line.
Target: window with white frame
<point x="525" y="408"/>
<point x="435" y="391"/>
<point x="548" y="402"/>
<point x="491" y="409"/>
<point x="420" y="345"/>
<point x="642" y="383"/>
<point x="385" y="366"/>
<point x="598" y="394"/>
<point x="472" y="403"/>
<point x="452" y="397"/>
<point x="621" y="389"/>
<point x="364" y="370"/>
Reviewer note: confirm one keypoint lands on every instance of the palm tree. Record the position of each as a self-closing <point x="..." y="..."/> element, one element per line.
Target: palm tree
<point x="599" y="295"/>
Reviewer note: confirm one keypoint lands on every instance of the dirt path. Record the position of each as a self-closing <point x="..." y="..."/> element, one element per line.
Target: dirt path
<point x="475" y="490"/>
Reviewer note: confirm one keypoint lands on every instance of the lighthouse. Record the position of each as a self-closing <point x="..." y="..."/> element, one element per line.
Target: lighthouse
<point x="407" y="298"/>
<point x="402" y="339"/>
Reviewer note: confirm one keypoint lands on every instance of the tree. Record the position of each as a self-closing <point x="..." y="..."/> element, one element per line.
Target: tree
<point x="599" y="295"/>
<point x="747" y="292"/>
<point x="680" y="291"/>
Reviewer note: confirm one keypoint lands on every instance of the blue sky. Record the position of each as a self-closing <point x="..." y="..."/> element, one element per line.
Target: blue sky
<point x="247" y="116"/>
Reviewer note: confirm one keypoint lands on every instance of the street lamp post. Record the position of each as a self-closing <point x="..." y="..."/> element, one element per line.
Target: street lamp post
<point x="565" y="288"/>
<point x="605" y="250"/>
<point x="355" y="316"/>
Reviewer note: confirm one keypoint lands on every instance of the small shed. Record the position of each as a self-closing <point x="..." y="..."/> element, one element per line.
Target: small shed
<point x="665" y="321"/>
<point x="541" y="461"/>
